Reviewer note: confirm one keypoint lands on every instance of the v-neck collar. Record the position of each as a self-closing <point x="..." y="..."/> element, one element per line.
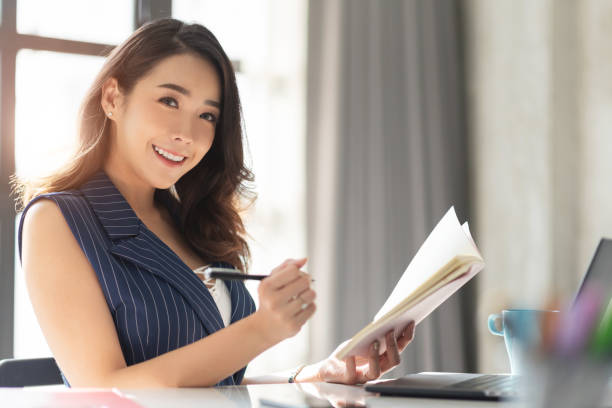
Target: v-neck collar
<point x="132" y="240"/>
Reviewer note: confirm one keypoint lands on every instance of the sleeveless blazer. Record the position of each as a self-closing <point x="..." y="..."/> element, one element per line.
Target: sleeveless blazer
<point x="156" y="301"/>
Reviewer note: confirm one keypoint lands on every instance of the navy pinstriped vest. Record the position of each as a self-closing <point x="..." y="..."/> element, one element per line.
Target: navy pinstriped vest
<point x="157" y="303"/>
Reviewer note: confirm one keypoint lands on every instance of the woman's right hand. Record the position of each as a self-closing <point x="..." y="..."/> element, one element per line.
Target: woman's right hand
<point x="286" y="301"/>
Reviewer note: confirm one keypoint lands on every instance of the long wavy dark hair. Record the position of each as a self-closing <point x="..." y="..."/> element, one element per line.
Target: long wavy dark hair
<point x="208" y="199"/>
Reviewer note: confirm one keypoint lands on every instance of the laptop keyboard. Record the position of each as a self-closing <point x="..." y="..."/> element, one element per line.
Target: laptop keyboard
<point x="493" y="385"/>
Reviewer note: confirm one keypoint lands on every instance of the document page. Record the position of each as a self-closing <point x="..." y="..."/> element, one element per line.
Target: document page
<point x="446" y="240"/>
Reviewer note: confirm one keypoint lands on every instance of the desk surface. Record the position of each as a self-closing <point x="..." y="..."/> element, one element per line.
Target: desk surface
<point x="244" y="396"/>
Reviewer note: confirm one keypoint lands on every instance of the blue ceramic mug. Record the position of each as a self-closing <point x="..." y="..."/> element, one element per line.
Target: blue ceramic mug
<point x="521" y="331"/>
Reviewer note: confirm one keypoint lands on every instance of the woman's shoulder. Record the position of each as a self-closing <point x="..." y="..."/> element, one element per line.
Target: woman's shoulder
<point x="55" y="202"/>
<point x="50" y="213"/>
<point x="42" y="211"/>
<point x="57" y="196"/>
<point x="43" y="217"/>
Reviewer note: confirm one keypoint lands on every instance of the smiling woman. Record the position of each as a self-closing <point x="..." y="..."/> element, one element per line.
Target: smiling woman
<point x="110" y="244"/>
<point x="170" y="128"/>
<point x="144" y="113"/>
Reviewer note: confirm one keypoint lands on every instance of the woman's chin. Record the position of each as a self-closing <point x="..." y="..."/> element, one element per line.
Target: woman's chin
<point x="162" y="181"/>
<point x="165" y="185"/>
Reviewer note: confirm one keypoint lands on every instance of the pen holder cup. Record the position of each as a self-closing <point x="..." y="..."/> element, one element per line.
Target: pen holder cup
<point x="561" y="382"/>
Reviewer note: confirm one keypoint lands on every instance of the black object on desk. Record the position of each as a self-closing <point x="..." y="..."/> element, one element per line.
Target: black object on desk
<point x="450" y="385"/>
<point x="29" y="372"/>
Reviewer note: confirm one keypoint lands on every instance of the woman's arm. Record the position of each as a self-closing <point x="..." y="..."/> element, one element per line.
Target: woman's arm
<point x="309" y="373"/>
<point x="352" y="370"/>
<point x="74" y="317"/>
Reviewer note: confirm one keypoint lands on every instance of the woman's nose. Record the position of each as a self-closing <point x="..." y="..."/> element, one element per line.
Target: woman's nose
<point x="182" y="137"/>
<point x="184" y="133"/>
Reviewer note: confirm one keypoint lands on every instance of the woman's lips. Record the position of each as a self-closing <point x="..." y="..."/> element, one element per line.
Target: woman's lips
<point x="167" y="161"/>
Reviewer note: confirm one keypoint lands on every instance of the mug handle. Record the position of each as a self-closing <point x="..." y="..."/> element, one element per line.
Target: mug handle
<point x="493" y="327"/>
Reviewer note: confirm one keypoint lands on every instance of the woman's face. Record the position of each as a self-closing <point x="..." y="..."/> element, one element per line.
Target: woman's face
<point x="166" y="125"/>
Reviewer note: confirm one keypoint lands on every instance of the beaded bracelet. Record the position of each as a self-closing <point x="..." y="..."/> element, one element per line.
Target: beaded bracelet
<point x="295" y="373"/>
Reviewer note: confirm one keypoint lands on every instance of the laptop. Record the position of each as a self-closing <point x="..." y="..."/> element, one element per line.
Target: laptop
<point x="487" y="386"/>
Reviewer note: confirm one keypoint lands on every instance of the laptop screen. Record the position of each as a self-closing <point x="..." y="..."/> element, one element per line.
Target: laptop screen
<point x="600" y="269"/>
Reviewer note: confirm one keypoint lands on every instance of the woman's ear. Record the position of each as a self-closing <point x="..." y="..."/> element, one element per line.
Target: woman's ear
<point x="112" y="98"/>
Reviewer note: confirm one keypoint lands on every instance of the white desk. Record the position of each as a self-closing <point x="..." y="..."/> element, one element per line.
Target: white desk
<point x="243" y="396"/>
<point x="249" y="397"/>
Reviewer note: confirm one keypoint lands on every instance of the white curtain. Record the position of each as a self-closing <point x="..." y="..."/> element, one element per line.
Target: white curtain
<point x="386" y="157"/>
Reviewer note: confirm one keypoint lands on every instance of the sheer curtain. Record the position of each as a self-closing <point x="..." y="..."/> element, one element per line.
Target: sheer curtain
<point x="386" y="157"/>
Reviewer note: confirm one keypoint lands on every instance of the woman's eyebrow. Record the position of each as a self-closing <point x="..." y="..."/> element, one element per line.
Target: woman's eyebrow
<point x="186" y="92"/>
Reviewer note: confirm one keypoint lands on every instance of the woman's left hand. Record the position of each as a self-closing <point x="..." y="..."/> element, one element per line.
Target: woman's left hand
<point x="360" y="369"/>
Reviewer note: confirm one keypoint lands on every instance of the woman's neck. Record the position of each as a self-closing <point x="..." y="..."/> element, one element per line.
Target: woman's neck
<point x="137" y="193"/>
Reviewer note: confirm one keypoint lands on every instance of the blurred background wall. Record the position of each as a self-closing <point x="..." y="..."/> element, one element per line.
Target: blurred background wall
<point x="366" y="120"/>
<point x="540" y="103"/>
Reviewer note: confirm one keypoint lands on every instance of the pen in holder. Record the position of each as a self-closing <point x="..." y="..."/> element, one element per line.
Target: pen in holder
<point x="571" y="366"/>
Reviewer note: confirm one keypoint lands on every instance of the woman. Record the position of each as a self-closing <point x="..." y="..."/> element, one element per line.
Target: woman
<point x="112" y="244"/>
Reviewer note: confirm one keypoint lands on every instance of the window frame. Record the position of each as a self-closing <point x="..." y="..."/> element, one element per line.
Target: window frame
<point x="10" y="43"/>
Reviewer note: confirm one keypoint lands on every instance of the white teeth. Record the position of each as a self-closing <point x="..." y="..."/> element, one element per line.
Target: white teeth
<point x="167" y="155"/>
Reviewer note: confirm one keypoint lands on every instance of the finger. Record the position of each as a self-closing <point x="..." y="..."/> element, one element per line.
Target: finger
<point x="297" y="262"/>
<point x="294" y="288"/>
<point x="283" y="276"/>
<point x="299" y="303"/>
<point x="300" y="275"/>
<point x="406" y="337"/>
<point x="304" y="314"/>
<point x="306" y="276"/>
<point x="391" y="357"/>
<point x="373" y="370"/>
<point x="308" y="295"/>
<point x="300" y="262"/>
<point x="281" y="266"/>
<point x="294" y="307"/>
<point x="350" y="375"/>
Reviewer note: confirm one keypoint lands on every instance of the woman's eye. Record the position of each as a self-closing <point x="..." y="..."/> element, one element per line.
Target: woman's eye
<point x="209" y="117"/>
<point x="167" y="98"/>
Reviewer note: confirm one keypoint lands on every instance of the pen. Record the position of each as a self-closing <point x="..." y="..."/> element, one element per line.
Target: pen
<point x="576" y="326"/>
<point x="601" y="343"/>
<point x="228" y="273"/>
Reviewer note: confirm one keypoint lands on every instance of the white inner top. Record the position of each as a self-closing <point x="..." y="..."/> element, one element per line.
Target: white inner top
<point x="220" y="293"/>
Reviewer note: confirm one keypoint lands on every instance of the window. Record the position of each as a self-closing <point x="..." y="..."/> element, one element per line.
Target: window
<point x="60" y="48"/>
<point x="107" y="22"/>
<point x="47" y="98"/>
<point x="268" y="40"/>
